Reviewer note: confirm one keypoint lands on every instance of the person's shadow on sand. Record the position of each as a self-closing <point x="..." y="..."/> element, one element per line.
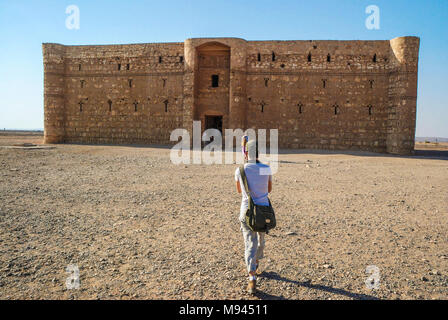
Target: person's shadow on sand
<point x="275" y="276"/>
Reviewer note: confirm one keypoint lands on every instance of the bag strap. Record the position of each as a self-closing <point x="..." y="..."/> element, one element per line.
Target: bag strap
<point x="244" y="178"/>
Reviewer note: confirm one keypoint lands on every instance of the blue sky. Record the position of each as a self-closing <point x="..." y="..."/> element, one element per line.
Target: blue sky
<point x="25" y="25"/>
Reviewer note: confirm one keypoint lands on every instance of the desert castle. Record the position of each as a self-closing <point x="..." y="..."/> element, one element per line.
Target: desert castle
<point x="342" y="95"/>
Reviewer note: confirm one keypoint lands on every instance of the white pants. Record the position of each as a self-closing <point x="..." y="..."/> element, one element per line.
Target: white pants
<point x="254" y="246"/>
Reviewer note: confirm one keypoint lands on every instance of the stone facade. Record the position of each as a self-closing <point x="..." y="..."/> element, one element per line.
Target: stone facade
<point x="342" y="95"/>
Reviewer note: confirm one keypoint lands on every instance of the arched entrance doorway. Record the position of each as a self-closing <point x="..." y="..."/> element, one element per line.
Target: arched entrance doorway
<point x="212" y="83"/>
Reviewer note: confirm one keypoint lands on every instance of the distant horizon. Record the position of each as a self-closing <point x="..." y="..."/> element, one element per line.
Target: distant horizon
<point x="25" y="129"/>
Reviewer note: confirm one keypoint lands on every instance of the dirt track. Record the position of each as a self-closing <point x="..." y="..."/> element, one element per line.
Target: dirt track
<point x="140" y="227"/>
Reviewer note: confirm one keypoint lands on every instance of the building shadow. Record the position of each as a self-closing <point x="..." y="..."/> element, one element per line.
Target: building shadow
<point x="148" y="146"/>
<point x="418" y="153"/>
<point x="432" y="154"/>
<point x="275" y="276"/>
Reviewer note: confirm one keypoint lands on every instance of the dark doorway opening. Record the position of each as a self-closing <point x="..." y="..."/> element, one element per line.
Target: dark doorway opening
<point x="213" y="122"/>
<point x="215" y="81"/>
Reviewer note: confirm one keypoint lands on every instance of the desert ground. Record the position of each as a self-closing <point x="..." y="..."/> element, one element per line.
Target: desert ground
<point x="139" y="227"/>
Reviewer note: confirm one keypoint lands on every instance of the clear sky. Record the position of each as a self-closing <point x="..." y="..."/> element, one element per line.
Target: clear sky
<point x="25" y="25"/>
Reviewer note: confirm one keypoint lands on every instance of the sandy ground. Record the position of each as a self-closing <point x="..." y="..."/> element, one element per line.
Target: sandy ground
<point x="139" y="227"/>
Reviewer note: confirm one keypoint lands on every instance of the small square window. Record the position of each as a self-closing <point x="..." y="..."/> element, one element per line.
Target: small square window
<point x="215" y="81"/>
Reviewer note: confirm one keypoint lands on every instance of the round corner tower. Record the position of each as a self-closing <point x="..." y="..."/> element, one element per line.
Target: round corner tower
<point x="402" y="95"/>
<point x="54" y="84"/>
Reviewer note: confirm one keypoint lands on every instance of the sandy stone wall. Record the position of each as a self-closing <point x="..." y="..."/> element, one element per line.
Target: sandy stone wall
<point x="119" y="94"/>
<point x="358" y="95"/>
<point x="319" y="92"/>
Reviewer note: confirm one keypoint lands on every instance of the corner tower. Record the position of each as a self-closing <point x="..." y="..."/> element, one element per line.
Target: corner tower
<point x="54" y="98"/>
<point x="402" y="95"/>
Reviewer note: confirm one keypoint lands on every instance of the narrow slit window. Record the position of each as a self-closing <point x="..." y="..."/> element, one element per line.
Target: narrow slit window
<point x="130" y="83"/>
<point x="80" y="106"/>
<point x="160" y="59"/>
<point x="328" y="58"/>
<point x="309" y="57"/>
<point x="266" y="80"/>
<point x="262" y="106"/>
<point x="119" y="66"/>
<point x="258" y="57"/>
<point x="371" y="83"/>
<point x="324" y="83"/>
<point x="336" y="110"/>
<point x="181" y="59"/>
<point x="374" y="58"/>
<point x="164" y="82"/>
<point x="135" y="106"/>
<point x="110" y="105"/>
<point x="215" y="81"/>
<point x="79" y="67"/>
<point x="370" y="107"/>
<point x="128" y="66"/>
<point x="166" y="105"/>
<point x="300" y="107"/>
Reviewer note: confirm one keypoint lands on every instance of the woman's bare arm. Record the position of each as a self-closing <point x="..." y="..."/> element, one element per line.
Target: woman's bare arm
<point x="238" y="187"/>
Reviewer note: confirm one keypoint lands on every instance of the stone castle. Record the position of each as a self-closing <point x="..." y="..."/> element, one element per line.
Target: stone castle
<point x="340" y="95"/>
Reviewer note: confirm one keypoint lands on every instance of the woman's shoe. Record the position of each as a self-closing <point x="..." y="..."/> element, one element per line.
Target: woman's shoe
<point x="252" y="286"/>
